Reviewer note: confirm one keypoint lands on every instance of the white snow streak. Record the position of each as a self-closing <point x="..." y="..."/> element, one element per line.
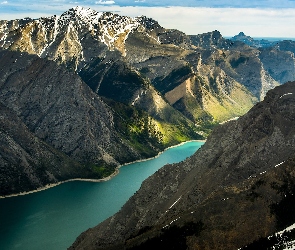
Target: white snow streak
<point x="254" y="176"/>
<point x="174" y="203"/>
<point x="279" y="164"/>
<point x="286" y="94"/>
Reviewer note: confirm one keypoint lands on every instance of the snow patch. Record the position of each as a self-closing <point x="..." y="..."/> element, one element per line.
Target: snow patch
<point x="285" y="95"/>
<point x="173" y="205"/>
<point x="279" y="164"/>
<point x="286" y="229"/>
<point x="171" y="222"/>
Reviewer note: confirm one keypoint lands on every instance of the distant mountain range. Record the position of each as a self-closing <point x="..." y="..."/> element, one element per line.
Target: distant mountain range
<point x="258" y="42"/>
<point x="101" y="89"/>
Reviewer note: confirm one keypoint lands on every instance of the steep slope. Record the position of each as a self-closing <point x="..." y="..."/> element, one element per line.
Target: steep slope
<point x="229" y="193"/>
<point x="239" y="61"/>
<point x="27" y="163"/>
<point x="276" y="56"/>
<point x="99" y="45"/>
<point x="60" y="109"/>
<point x="201" y="91"/>
<point x="279" y="61"/>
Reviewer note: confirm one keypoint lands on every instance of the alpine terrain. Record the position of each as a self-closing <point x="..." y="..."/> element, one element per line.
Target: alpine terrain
<point x="233" y="193"/>
<point x="89" y="91"/>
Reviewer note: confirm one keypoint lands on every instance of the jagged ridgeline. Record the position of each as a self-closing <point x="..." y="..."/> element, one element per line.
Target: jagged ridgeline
<point x="105" y="89"/>
<point x="237" y="189"/>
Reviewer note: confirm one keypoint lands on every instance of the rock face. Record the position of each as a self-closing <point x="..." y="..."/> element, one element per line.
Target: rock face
<point x="150" y="87"/>
<point x="59" y="109"/>
<point x="26" y="162"/>
<point x="272" y="58"/>
<point x="231" y="192"/>
<point x="96" y="45"/>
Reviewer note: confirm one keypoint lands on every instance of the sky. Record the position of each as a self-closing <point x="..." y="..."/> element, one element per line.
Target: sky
<point x="256" y="18"/>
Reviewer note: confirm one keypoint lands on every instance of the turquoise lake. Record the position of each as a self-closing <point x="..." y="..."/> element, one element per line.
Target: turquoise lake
<point x="53" y="218"/>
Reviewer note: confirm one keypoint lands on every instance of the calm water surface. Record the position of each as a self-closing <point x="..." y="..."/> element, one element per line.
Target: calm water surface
<point x="52" y="219"/>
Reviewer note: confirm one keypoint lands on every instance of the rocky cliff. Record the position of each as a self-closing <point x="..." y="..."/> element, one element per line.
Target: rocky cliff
<point x="231" y="192"/>
<point x="150" y="87"/>
<point x="96" y="45"/>
<point x="26" y="162"/>
<point x="57" y="108"/>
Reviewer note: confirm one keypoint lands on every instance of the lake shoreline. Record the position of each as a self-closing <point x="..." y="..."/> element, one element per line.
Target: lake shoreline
<point x="116" y="172"/>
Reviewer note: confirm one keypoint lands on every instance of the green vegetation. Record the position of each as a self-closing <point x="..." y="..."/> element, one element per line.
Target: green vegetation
<point x="137" y="128"/>
<point x="146" y="134"/>
<point x="100" y="170"/>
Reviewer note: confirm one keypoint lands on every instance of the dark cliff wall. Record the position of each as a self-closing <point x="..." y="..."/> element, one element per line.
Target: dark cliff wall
<point x="222" y="196"/>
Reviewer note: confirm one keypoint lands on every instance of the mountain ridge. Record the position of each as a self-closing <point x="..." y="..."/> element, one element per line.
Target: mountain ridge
<point x="158" y="86"/>
<point x="233" y="174"/>
<point x="59" y="109"/>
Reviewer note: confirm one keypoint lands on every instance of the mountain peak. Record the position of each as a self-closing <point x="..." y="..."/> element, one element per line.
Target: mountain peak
<point x="77" y="13"/>
<point x="147" y="22"/>
<point x="242" y="37"/>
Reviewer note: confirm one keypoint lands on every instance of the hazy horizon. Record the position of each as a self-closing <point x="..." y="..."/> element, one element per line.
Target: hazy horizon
<point x="269" y="18"/>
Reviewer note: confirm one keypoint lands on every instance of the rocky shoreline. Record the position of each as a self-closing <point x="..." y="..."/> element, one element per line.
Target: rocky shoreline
<point x="95" y="180"/>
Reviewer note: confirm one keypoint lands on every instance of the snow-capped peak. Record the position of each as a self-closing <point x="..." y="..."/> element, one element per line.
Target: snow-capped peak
<point x="80" y="14"/>
<point x="88" y="15"/>
<point x="108" y="28"/>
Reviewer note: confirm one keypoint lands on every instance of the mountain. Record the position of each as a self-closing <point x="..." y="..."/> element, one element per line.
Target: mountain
<point x="237" y="188"/>
<point x="96" y="44"/>
<point x="277" y="57"/>
<point x="26" y="162"/>
<point x="253" y="42"/>
<point x="58" y="108"/>
<point x="106" y="89"/>
<point x="273" y="57"/>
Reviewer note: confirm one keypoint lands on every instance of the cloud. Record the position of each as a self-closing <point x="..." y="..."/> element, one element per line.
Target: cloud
<point x="211" y="4"/>
<point x="107" y="2"/>
<point x="255" y="22"/>
<point x="4" y="2"/>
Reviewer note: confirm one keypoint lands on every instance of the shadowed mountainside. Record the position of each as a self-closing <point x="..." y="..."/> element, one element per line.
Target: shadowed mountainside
<point x="57" y="108"/>
<point x="231" y="192"/>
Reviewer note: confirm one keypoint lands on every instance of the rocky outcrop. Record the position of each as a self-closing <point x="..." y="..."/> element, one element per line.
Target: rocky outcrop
<point x="211" y="40"/>
<point x="114" y="53"/>
<point x="230" y="192"/>
<point x="279" y="63"/>
<point x="58" y="108"/>
<point x="26" y="162"/>
<point x="150" y="87"/>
